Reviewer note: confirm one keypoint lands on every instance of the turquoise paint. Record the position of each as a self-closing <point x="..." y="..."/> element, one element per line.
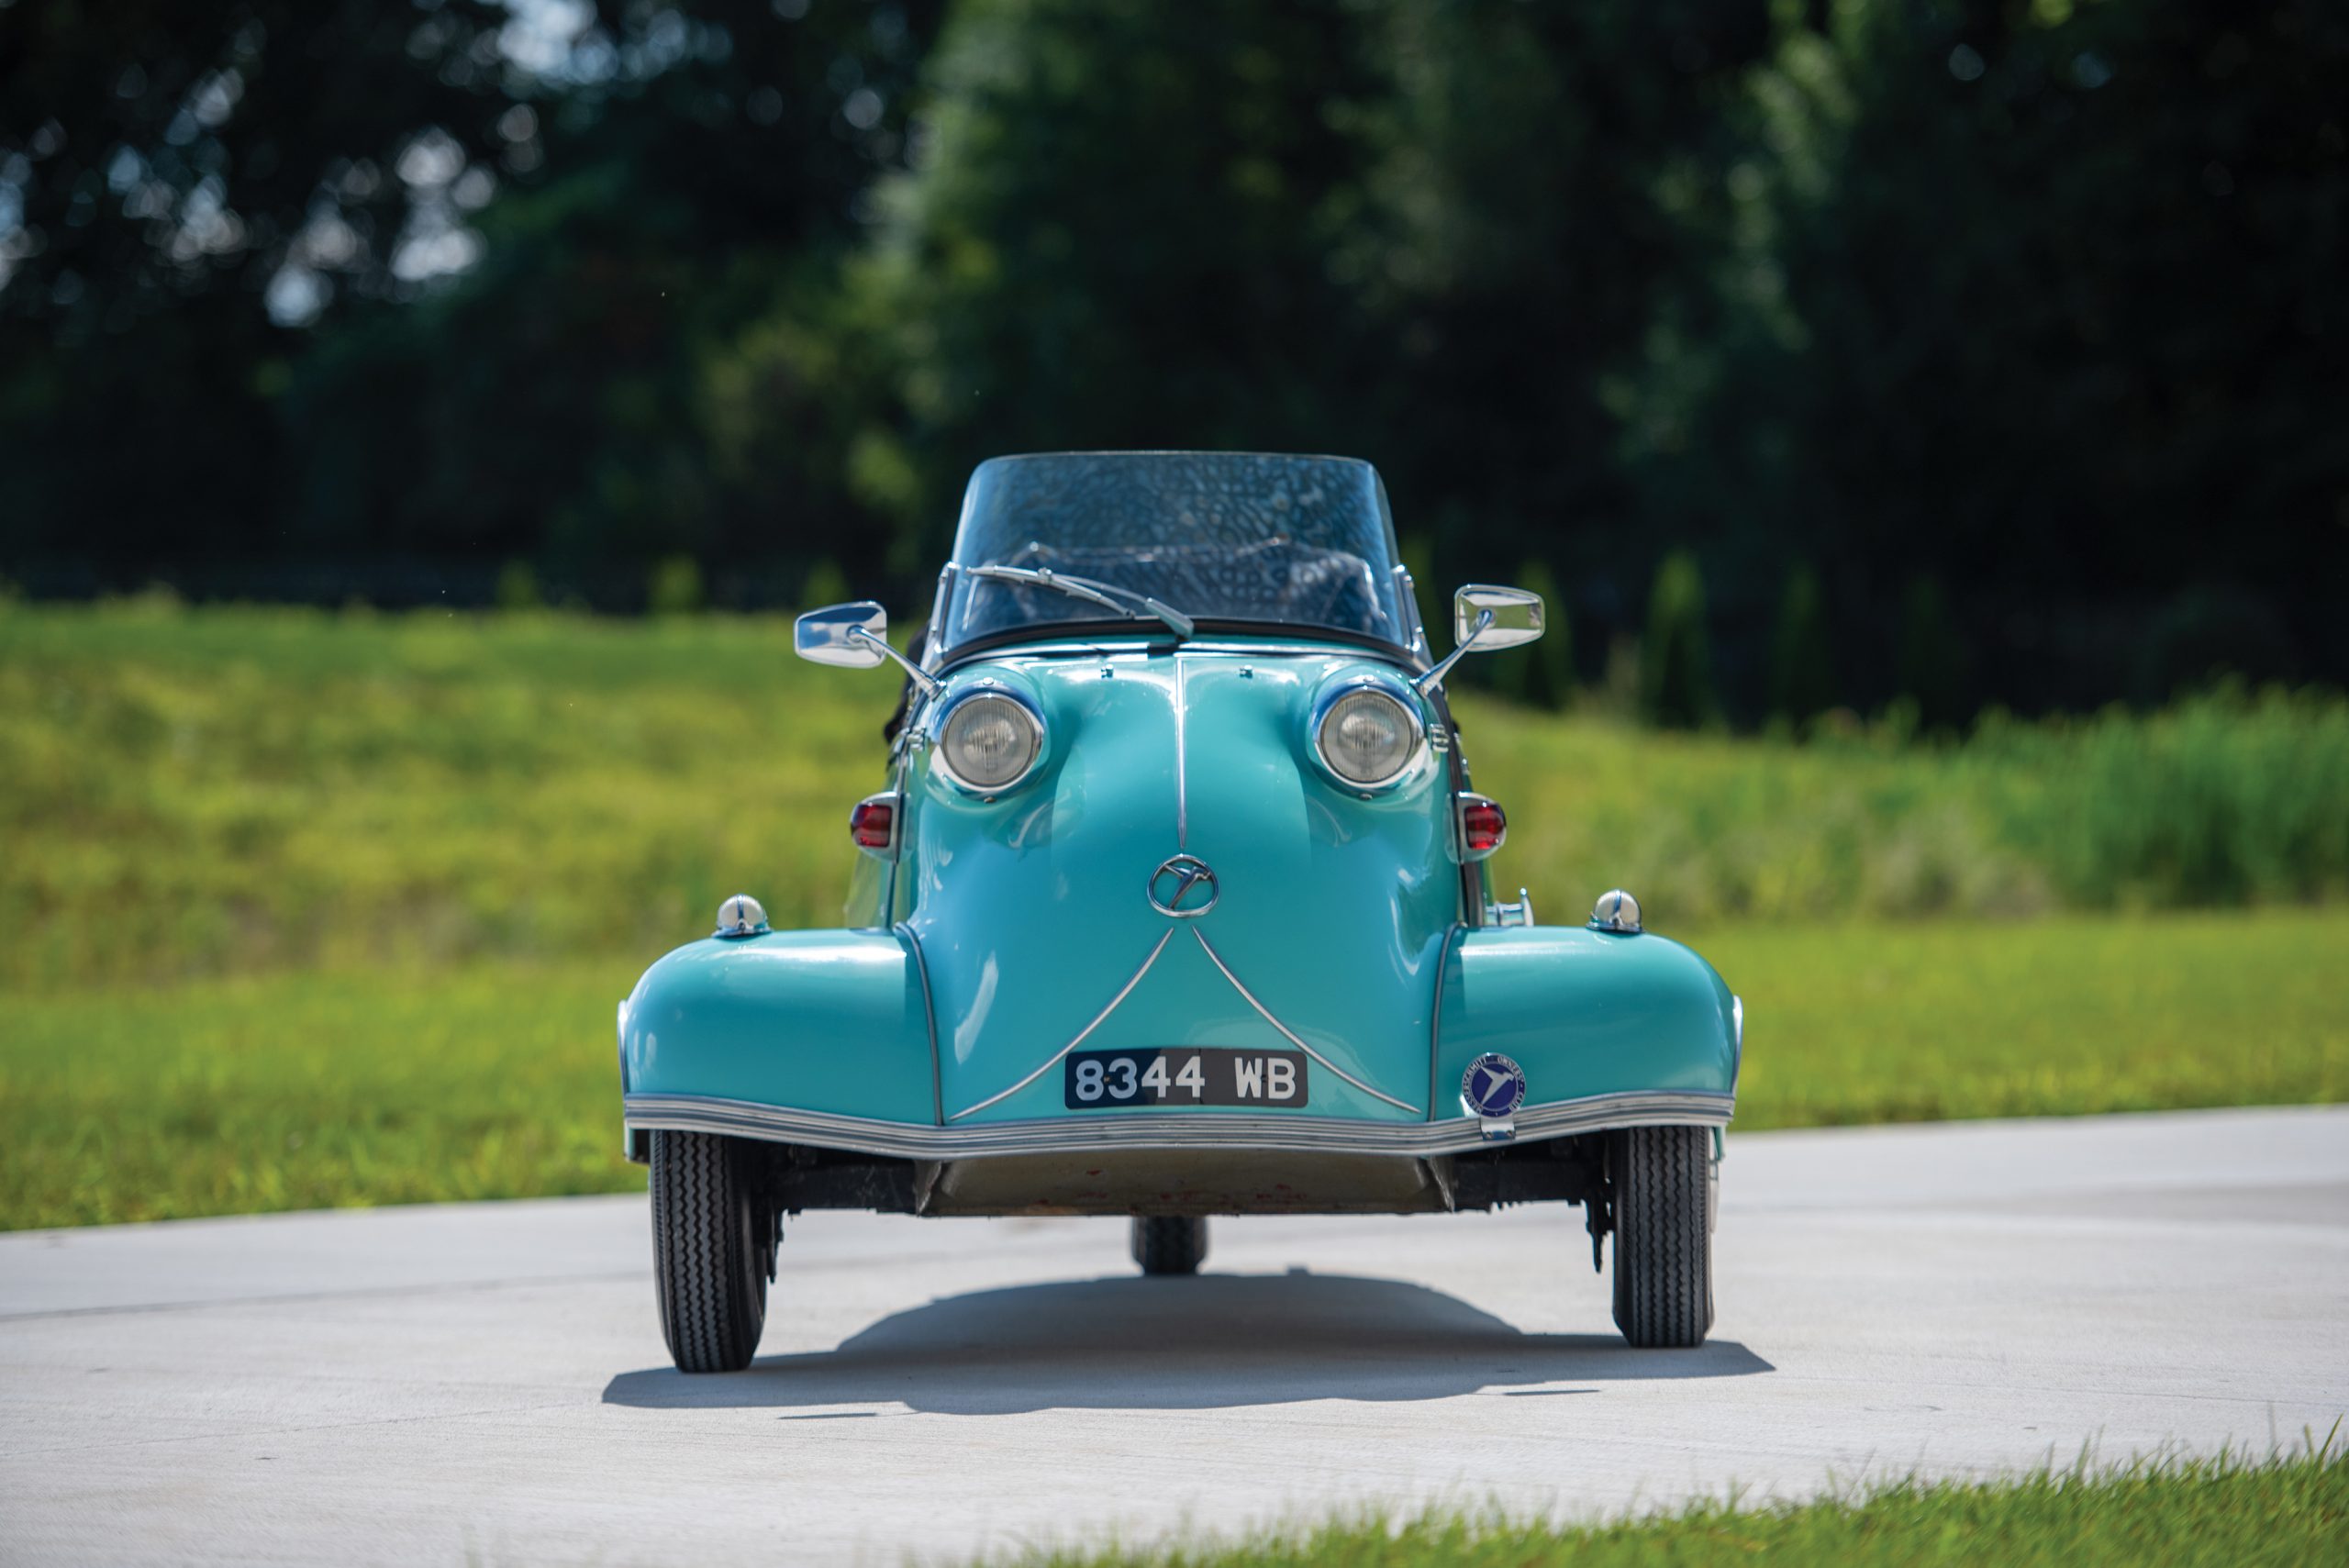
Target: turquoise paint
<point x="1031" y="908"/>
<point x="1584" y="1012"/>
<point x="818" y="1020"/>
<point x="1341" y="914"/>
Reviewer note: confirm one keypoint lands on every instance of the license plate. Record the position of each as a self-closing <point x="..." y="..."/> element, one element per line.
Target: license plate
<point x="1183" y="1075"/>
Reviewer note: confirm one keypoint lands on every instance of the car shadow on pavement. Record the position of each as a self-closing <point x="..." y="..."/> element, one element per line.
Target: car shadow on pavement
<point x="1200" y="1343"/>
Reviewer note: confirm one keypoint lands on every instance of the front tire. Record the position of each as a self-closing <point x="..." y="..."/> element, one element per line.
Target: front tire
<point x="709" y="1257"/>
<point x="1172" y="1245"/>
<point x="1663" y="1191"/>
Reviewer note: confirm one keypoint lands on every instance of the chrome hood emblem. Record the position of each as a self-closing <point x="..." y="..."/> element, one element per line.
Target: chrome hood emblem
<point x="1184" y="888"/>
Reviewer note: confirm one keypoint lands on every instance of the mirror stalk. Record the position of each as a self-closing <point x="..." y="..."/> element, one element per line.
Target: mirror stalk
<point x="928" y="684"/>
<point x="1434" y="677"/>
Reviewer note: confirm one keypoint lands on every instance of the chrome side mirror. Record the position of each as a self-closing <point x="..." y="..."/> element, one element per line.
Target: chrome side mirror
<point x="1516" y="618"/>
<point x="855" y="636"/>
<point x="1486" y="618"/>
<point x="830" y="635"/>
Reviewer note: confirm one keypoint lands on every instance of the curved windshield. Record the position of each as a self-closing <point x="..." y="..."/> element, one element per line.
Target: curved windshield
<point x="1247" y="541"/>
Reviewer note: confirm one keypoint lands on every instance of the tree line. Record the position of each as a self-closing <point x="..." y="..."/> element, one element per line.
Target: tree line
<point x="1810" y="355"/>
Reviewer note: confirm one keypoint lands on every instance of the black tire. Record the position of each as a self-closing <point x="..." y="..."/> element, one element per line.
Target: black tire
<point x="710" y="1258"/>
<point x="1170" y="1246"/>
<point x="1663" y="1190"/>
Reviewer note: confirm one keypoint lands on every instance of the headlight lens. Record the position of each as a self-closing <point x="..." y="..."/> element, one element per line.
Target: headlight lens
<point x="990" y="741"/>
<point x="1367" y="736"/>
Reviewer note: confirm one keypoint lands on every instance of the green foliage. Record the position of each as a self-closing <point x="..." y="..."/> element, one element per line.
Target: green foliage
<point x="517" y="588"/>
<point x="673" y="586"/>
<point x="182" y="792"/>
<point x="1541" y="673"/>
<point x="1118" y="235"/>
<point x="2230" y="1512"/>
<point x="1932" y="670"/>
<point x="2224" y="798"/>
<point x="825" y="585"/>
<point x="309" y="909"/>
<point x="1802" y="668"/>
<point x="1675" y="656"/>
<point x="2024" y="302"/>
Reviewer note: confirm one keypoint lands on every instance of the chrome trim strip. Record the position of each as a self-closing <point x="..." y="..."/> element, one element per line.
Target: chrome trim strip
<point x="1182" y="798"/>
<point x="1435" y="1018"/>
<point x="1099" y="1019"/>
<point x="1290" y="1035"/>
<point x="1169" y="1129"/>
<point x="929" y="1018"/>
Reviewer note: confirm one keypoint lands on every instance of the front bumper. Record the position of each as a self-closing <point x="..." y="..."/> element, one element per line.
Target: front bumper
<point x="1167" y="1129"/>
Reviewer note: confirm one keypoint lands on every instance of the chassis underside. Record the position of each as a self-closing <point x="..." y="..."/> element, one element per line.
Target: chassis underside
<point x="791" y="1178"/>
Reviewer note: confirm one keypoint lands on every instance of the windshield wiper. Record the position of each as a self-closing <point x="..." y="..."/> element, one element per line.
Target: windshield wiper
<point x="1133" y="606"/>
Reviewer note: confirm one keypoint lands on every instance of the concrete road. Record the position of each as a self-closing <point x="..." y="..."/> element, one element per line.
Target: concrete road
<point x="487" y="1381"/>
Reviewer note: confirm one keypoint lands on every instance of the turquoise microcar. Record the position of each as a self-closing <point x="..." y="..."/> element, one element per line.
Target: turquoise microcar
<point x="1177" y="903"/>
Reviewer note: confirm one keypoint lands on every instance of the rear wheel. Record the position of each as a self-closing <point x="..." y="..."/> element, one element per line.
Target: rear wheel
<point x="712" y="1252"/>
<point x="1170" y="1246"/>
<point x="1662" y="1179"/>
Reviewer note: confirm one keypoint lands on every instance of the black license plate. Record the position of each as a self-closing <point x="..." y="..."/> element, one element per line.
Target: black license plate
<point x="1183" y="1075"/>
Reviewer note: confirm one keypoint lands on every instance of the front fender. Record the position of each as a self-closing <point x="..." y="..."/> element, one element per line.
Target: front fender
<point x="823" y="1020"/>
<point x="1584" y="1013"/>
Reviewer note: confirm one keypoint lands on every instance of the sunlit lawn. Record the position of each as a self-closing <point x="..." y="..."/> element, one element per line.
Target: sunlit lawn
<point x="2204" y="1514"/>
<point x="498" y="1079"/>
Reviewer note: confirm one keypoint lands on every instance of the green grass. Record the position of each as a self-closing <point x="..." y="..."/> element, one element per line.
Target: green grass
<point x="2223" y="1512"/>
<point x="304" y="909"/>
<point x="497" y="1079"/>
<point x="191" y="793"/>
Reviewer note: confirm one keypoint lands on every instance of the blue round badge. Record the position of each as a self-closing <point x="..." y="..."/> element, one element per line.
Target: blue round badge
<point x="1492" y="1086"/>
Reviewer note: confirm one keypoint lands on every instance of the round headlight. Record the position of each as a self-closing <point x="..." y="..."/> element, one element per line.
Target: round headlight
<point x="989" y="741"/>
<point x="1367" y="736"/>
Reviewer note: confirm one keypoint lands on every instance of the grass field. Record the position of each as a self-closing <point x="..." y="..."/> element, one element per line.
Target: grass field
<point x="497" y="1079"/>
<point x="299" y="909"/>
<point x="2217" y="1513"/>
<point x="226" y="791"/>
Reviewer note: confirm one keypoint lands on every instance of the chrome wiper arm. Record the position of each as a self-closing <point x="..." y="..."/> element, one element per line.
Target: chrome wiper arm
<point x="1133" y="606"/>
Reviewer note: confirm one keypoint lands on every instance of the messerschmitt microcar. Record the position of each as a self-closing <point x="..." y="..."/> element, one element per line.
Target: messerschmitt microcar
<point x="1176" y="905"/>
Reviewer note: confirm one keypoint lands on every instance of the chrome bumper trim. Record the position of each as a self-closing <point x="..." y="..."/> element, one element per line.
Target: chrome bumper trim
<point x="1168" y="1129"/>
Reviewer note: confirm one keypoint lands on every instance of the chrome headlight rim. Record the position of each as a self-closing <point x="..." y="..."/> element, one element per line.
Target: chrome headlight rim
<point x="987" y="690"/>
<point x="1325" y="703"/>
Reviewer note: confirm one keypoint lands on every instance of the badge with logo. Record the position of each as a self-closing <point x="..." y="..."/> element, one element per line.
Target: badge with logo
<point x="1184" y="888"/>
<point x="1492" y="1088"/>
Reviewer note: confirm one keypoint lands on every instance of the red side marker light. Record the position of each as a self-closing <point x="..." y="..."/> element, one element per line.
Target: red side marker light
<point x="874" y="824"/>
<point x="1483" y="825"/>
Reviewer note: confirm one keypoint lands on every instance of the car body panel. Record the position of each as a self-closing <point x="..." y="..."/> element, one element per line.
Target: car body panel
<point x="826" y="1021"/>
<point x="1032" y="913"/>
<point x="1586" y="1012"/>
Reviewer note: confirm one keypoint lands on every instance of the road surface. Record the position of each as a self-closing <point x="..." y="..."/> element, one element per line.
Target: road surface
<point x="486" y="1382"/>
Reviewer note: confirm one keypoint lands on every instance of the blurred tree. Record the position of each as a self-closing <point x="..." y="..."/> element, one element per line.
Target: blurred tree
<point x="1933" y="668"/>
<point x="1802" y="668"/>
<point x="2034" y="302"/>
<point x="1539" y="673"/>
<point x="260" y="185"/>
<point x="517" y="588"/>
<point x="1527" y="208"/>
<point x="1118" y="235"/>
<point x="673" y="586"/>
<point x="1675" y="656"/>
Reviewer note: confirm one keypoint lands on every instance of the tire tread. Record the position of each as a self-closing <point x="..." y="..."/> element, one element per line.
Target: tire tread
<point x="705" y="1261"/>
<point x="1169" y="1244"/>
<point x="1663" y="1266"/>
